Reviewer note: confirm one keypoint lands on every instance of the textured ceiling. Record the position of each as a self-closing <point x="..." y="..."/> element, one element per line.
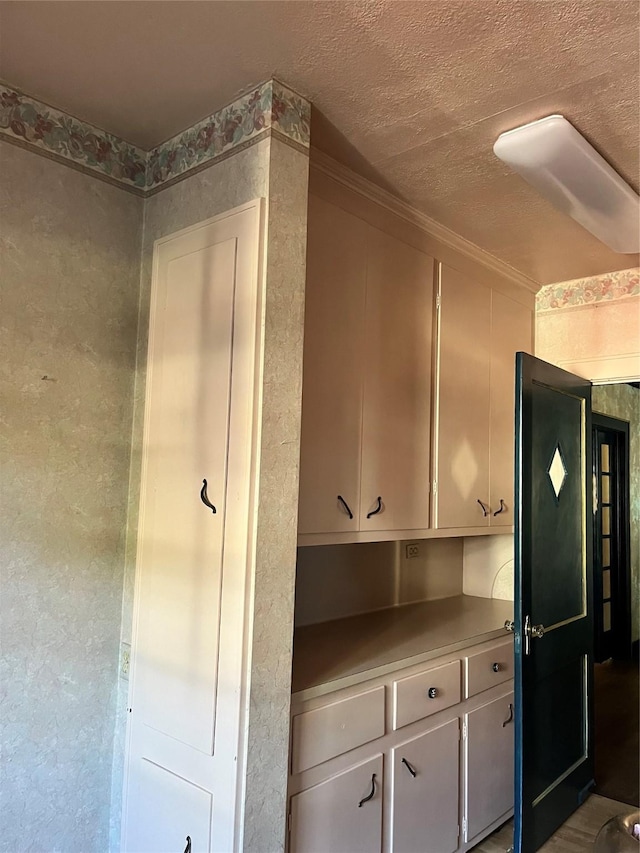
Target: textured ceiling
<point x="409" y="94"/>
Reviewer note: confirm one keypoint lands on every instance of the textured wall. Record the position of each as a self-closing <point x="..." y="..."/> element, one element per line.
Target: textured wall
<point x="592" y="326"/>
<point x="70" y="278"/>
<point x="335" y="581"/>
<point x="277" y="531"/>
<point x="623" y="401"/>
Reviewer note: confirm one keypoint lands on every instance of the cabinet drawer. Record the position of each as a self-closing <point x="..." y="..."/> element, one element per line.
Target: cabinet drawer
<point x="411" y="699"/>
<point x="487" y="668"/>
<point x="336" y="728"/>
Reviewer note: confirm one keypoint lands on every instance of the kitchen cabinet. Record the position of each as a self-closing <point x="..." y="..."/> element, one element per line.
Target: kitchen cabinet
<point x="343" y="813"/>
<point x="366" y="405"/>
<point x="441" y="754"/>
<point x="488" y="761"/>
<point x="479" y="332"/>
<point x="424" y="809"/>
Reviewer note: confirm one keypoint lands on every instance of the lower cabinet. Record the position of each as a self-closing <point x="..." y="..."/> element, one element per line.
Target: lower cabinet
<point x="416" y="761"/>
<point x="425" y="785"/>
<point x="488" y="749"/>
<point x="342" y="814"/>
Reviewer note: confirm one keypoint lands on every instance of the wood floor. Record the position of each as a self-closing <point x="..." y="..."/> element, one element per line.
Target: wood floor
<point x="617" y="722"/>
<point x="575" y="836"/>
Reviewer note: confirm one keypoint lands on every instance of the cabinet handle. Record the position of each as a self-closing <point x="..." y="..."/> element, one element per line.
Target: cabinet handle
<point x="409" y="768"/>
<point x="484" y="508"/>
<point x="370" y="796"/>
<point x="510" y="717"/>
<point x="187" y="849"/>
<point x="204" y="498"/>
<point x="495" y="667"/>
<point x="377" y="509"/>
<point x="432" y="692"/>
<point x="345" y="505"/>
<point x="502" y="508"/>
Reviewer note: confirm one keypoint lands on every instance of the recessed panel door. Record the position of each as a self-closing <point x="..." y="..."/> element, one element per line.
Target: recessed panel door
<point x="341" y="815"/>
<point x="185" y="723"/>
<point x="553" y="606"/>
<point x="424" y="811"/>
<point x="396" y="427"/>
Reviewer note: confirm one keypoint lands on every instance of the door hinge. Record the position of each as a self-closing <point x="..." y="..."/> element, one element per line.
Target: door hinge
<point x="289" y="823"/>
<point x="435" y="487"/>
<point x="438" y="301"/>
<point x="464" y="828"/>
<point x="464" y="731"/>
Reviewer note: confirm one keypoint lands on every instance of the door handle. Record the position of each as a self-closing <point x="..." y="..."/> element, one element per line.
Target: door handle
<point x="510" y="717"/>
<point x="205" y="498"/>
<point x="187" y="849"/>
<point x="531" y="631"/>
<point x="370" y="796"/>
<point x="377" y="509"/>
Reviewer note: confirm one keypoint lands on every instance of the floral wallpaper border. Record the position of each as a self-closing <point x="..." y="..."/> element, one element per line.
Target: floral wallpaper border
<point x="270" y="106"/>
<point x="584" y="291"/>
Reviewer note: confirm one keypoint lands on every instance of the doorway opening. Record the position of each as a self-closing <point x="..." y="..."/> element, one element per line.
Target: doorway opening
<point x="616" y="436"/>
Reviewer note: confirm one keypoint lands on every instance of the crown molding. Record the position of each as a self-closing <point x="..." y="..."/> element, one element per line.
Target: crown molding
<point x="364" y="187"/>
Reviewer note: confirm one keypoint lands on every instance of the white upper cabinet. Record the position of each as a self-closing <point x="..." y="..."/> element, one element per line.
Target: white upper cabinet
<point x="463" y="410"/>
<point x="366" y="402"/>
<point x="332" y="378"/>
<point x="480" y="330"/>
<point x="511" y="331"/>
<point x="396" y="423"/>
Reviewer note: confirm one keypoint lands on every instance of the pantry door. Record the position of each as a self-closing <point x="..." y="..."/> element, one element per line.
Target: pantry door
<point x="185" y="754"/>
<point x="553" y="601"/>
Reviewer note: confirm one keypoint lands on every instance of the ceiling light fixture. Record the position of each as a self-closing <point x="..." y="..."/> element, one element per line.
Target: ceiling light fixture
<point x="555" y="159"/>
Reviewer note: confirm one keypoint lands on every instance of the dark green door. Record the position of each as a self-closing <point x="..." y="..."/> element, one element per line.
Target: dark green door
<point x="553" y="607"/>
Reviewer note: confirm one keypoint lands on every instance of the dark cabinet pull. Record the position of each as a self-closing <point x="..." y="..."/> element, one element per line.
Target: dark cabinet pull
<point x="502" y="508"/>
<point x="484" y="509"/>
<point x="409" y="767"/>
<point x="370" y="796"/>
<point x="345" y="505"/>
<point x="377" y="509"/>
<point x="432" y="692"/>
<point x="187" y="849"/>
<point x="510" y="717"/>
<point x="204" y="498"/>
<point x="495" y="667"/>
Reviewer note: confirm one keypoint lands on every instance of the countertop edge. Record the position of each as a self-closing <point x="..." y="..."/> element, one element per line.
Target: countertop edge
<point x="384" y="669"/>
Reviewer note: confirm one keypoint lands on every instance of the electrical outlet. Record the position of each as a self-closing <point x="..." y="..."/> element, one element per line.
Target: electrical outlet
<point x="125" y="660"/>
<point x="412" y="551"/>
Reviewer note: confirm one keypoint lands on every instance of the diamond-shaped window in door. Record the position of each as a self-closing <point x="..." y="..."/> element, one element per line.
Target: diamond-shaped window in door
<point x="557" y="472"/>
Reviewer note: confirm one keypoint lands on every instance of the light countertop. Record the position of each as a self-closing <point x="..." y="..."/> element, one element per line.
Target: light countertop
<point x="344" y="652"/>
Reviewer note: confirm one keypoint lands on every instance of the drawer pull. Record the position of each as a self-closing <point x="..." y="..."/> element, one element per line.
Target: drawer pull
<point x="502" y="508"/>
<point x="510" y="717"/>
<point x="485" y="511"/>
<point x="370" y="796"/>
<point x="496" y="667"/>
<point x="205" y="498"/>
<point x="432" y="692"/>
<point x="345" y="505"/>
<point x="409" y="768"/>
<point x="377" y="509"/>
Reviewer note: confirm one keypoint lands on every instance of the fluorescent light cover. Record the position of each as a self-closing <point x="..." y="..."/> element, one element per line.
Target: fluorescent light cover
<point x="555" y="159"/>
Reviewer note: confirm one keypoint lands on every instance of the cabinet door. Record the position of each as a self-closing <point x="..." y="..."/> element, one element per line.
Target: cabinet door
<point x="511" y="331"/>
<point x="397" y="388"/>
<point x="424" y="812"/>
<point x="332" y="381"/>
<point x="462" y="456"/>
<point x="488" y="764"/>
<point x="338" y="815"/>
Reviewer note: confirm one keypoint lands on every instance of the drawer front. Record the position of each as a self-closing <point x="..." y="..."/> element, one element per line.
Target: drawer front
<point x="488" y="668"/>
<point x="336" y="728"/>
<point x="424" y="694"/>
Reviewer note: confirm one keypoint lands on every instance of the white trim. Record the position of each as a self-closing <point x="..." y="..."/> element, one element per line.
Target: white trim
<point x="323" y="163"/>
